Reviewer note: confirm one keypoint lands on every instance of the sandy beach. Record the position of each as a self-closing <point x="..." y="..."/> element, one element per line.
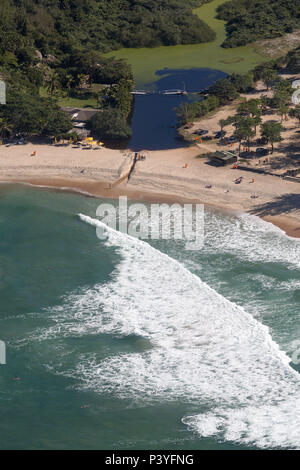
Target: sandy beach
<point x="161" y="177"/>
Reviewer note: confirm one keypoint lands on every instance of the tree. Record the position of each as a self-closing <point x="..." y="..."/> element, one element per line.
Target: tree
<point x="222" y="123"/>
<point x="187" y="112"/>
<point x="120" y="96"/>
<point x="283" y="110"/>
<point x="264" y="103"/>
<point x="268" y="76"/>
<point x="242" y="83"/>
<point x="250" y="108"/>
<point x="54" y="85"/>
<point x="224" y="90"/>
<point x="109" y="124"/>
<point x="244" y="130"/>
<point x="271" y="131"/>
<point x="5" y="128"/>
<point x="33" y="115"/>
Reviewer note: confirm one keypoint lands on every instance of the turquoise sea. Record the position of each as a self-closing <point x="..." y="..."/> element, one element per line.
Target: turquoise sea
<point x="127" y="344"/>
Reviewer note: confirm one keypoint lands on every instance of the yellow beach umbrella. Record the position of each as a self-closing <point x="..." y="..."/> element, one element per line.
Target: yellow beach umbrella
<point x="100" y="143"/>
<point x="89" y="139"/>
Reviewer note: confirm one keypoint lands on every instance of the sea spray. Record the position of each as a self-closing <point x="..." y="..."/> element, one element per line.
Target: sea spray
<point x="205" y="349"/>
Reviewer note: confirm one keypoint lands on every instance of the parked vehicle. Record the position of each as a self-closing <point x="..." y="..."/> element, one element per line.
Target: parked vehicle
<point x="220" y="134"/>
<point x="201" y="132"/>
<point x="262" y="151"/>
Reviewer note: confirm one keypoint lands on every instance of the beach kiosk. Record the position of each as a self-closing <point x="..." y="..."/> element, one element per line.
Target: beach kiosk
<point x="225" y="157"/>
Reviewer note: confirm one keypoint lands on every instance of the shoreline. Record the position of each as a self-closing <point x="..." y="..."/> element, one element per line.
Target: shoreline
<point x="182" y="175"/>
<point x="88" y="188"/>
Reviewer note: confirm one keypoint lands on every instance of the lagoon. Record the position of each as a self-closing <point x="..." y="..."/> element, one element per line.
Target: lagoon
<point x="194" y="67"/>
<point x="150" y="64"/>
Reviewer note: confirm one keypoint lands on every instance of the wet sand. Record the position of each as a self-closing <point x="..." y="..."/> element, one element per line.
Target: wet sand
<point x="162" y="177"/>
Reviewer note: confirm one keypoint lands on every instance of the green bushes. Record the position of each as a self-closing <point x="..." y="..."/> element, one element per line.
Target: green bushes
<point x="54" y="26"/>
<point x="188" y="112"/>
<point x="109" y="124"/>
<point x="33" y="115"/>
<point x="225" y="91"/>
<point x="57" y="46"/>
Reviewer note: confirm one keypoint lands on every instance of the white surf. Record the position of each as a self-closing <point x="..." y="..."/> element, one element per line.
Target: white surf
<point x="205" y="349"/>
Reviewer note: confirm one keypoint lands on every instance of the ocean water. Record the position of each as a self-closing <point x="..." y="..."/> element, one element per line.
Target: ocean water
<point x="127" y="344"/>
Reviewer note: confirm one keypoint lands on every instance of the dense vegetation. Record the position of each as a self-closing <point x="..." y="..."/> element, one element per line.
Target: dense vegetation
<point x="31" y="115"/>
<point x="249" y="20"/>
<point x="60" y="26"/>
<point x="221" y="93"/>
<point x="249" y="113"/>
<point x="110" y="124"/>
<point x="53" y="49"/>
<point x="293" y="61"/>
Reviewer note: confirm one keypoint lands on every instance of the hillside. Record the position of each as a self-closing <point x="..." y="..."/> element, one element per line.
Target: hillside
<point x="51" y="52"/>
<point x="250" y="20"/>
<point x="58" y="26"/>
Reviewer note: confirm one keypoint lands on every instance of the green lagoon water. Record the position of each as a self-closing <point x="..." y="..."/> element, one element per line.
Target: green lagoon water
<point x="195" y="67"/>
<point x="126" y="344"/>
<point x="148" y="62"/>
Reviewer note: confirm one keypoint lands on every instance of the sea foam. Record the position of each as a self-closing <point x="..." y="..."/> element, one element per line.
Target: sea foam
<point x="205" y="349"/>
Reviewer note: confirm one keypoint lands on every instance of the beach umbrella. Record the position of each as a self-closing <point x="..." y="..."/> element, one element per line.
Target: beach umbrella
<point x="89" y="139"/>
<point x="100" y="143"/>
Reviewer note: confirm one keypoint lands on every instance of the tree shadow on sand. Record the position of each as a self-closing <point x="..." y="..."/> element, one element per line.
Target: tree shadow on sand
<point x="286" y="203"/>
<point x="290" y="157"/>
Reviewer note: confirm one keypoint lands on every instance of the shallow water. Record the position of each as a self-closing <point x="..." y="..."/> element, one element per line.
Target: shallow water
<point x="128" y="344"/>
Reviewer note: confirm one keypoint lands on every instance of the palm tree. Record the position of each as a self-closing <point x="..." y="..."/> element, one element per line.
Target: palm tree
<point x="5" y="127"/>
<point x="53" y="84"/>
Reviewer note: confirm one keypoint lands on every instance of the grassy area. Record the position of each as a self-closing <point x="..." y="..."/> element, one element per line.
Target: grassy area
<point x="69" y="102"/>
<point x="146" y="62"/>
